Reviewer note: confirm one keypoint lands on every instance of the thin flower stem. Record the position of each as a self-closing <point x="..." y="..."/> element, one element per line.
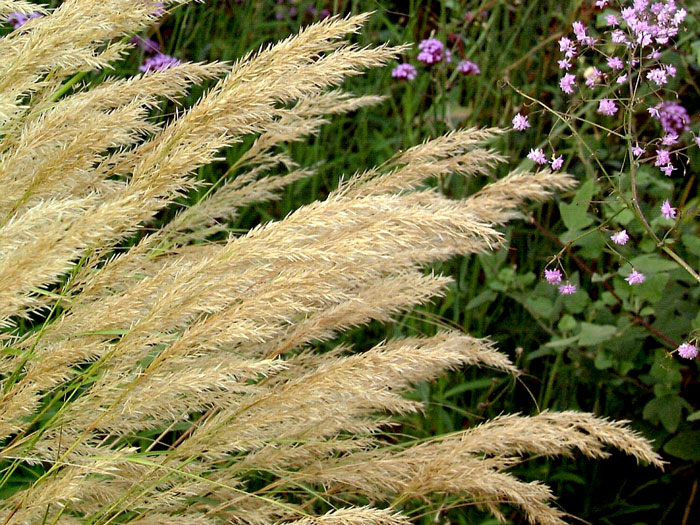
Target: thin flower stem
<point x="582" y="264"/>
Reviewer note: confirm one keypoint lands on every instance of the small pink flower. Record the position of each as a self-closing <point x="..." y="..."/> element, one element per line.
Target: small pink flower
<point x="552" y="276"/>
<point x="637" y="150"/>
<point x="564" y="64"/>
<point x="635" y="278"/>
<point x="662" y="157"/>
<point x="697" y="141"/>
<point x="620" y="237"/>
<point x="668" y="169"/>
<point x="537" y="156"/>
<point x="567" y="83"/>
<point x="567" y="289"/>
<point x="687" y="351"/>
<point x="565" y="44"/>
<point x="557" y="162"/>
<point x="467" y="67"/>
<point x="431" y="51"/>
<point x="607" y="107"/>
<point x="612" y="20"/>
<point x="520" y="122"/>
<point x="670" y="139"/>
<point x="404" y="72"/>
<point x="579" y="30"/>
<point x="667" y="211"/>
<point x="658" y="76"/>
<point x="593" y="77"/>
<point x="615" y="63"/>
<point x="618" y="36"/>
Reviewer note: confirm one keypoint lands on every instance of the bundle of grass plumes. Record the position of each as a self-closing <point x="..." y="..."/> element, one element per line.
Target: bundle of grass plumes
<point x="148" y="377"/>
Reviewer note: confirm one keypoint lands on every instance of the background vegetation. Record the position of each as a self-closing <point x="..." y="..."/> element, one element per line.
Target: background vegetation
<point x="584" y="352"/>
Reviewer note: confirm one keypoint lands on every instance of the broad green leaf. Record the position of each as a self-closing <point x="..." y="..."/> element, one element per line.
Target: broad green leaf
<point x="577" y="302"/>
<point x="652" y="263"/>
<point x="685" y="445"/>
<point x="566" y="323"/>
<point x="575" y="215"/>
<point x="541" y="306"/>
<point x="591" y="245"/>
<point x="665" y="410"/>
<point x="593" y="334"/>
<point x="692" y="243"/>
<point x="652" y="288"/>
<point x="695" y="46"/>
<point x="602" y="361"/>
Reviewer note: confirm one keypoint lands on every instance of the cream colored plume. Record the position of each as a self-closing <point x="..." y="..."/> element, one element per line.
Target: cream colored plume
<point x="152" y="376"/>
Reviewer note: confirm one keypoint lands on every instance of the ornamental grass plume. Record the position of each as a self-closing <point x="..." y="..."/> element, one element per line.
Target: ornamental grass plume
<point x="150" y="377"/>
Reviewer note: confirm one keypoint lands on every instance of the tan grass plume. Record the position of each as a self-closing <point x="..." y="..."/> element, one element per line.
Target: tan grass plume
<point x="175" y="381"/>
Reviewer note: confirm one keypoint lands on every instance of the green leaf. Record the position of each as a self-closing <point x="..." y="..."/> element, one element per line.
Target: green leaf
<point x="485" y="297"/>
<point x="477" y="384"/>
<point x="692" y="243"/>
<point x="602" y="361"/>
<point x="695" y="46"/>
<point x="591" y="245"/>
<point x="652" y="288"/>
<point x="665" y="369"/>
<point x="575" y="215"/>
<point x="541" y="306"/>
<point x="577" y="302"/>
<point x="666" y="410"/>
<point x="562" y="342"/>
<point x="593" y="334"/>
<point x="652" y="263"/>
<point x="694" y="416"/>
<point x="685" y="445"/>
<point x="566" y="323"/>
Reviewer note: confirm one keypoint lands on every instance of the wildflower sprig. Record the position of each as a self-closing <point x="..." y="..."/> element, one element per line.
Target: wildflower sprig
<point x="628" y="85"/>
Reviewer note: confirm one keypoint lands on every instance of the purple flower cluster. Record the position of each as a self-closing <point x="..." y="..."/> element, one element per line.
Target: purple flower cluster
<point x="667" y="211"/>
<point x="159" y="62"/>
<point x="672" y="116"/>
<point x="620" y="237"/>
<point x="687" y="351"/>
<point x="432" y="51"/>
<point x="467" y="67"/>
<point x="19" y="19"/>
<point x="148" y="45"/>
<point x="607" y="107"/>
<point x="635" y="277"/>
<point x="404" y="72"/>
<point x="652" y="23"/>
<point x="639" y="26"/>
<point x="520" y="122"/>
<point x="555" y="277"/>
